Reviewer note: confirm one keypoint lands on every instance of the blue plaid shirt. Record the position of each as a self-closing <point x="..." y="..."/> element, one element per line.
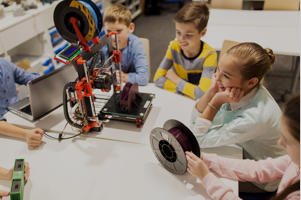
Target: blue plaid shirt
<point x="9" y="75"/>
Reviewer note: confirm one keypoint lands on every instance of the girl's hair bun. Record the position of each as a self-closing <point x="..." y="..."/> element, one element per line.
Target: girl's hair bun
<point x="271" y="55"/>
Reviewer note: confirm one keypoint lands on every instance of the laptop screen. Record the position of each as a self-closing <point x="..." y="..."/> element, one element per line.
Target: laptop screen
<point x="46" y="92"/>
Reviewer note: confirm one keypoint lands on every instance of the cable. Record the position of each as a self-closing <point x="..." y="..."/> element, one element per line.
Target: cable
<point x="50" y="136"/>
<point x="60" y="136"/>
<point x="65" y="106"/>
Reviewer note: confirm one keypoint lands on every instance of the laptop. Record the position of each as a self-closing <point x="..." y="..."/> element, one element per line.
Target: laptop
<point x="45" y="93"/>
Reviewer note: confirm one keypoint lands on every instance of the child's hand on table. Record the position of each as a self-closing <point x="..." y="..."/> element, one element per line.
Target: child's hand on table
<point x="124" y="76"/>
<point x="196" y="166"/>
<point x="3" y="194"/>
<point x="9" y="173"/>
<point x="34" y="137"/>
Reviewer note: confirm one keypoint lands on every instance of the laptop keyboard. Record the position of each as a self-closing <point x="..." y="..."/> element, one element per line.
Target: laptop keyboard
<point x="26" y="109"/>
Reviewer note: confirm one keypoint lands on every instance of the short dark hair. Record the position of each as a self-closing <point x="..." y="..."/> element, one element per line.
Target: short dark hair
<point x="196" y="13"/>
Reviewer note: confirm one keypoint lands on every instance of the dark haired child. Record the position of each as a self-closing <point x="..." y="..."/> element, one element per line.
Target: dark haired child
<point x="286" y="168"/>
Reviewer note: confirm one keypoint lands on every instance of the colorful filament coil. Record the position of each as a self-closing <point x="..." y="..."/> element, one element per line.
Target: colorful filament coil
<point x="170" y="143"/>
<point x="88" y="16"/>
<point x="182" y="138"/>
<point x="89" y="7"/>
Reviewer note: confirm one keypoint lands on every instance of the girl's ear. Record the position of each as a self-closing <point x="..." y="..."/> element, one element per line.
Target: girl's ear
<point x="252" y="82"/>
<point x="203" y="32"/>
<point x="132" y="27"/>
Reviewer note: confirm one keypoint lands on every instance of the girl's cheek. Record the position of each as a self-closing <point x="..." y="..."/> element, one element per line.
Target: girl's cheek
<point x="281" y="143"/>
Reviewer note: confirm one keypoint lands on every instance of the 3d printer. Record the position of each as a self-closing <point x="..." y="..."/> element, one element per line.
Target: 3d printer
<point x="80" y="22"/>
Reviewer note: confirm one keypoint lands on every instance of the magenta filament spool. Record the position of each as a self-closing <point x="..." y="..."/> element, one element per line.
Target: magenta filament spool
<point x="170" y="143"/>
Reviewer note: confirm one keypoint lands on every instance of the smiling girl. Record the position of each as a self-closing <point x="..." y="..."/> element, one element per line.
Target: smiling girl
<point x="237" y="109"/>
<point x="286" y="168"/>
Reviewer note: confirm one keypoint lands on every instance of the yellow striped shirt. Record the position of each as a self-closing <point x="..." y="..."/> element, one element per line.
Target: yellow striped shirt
<point x="195" y="73"/>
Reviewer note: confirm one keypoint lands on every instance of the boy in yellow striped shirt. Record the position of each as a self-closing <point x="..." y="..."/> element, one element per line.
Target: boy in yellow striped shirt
<point x="189" y="63"/>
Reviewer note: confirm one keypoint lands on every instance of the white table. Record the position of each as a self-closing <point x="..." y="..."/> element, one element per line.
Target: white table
<point x="277" y="30"/>
<point x="100" y="166"/>
<point x="284" y="41"/>
<point x="254" y="18"/>
<point x="166" y="105"/>
<point x="90" y="168"/>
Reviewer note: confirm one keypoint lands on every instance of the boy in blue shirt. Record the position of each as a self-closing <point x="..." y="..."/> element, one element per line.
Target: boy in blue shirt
<point x="134" y="62"/>
<point x="9" y="75"/>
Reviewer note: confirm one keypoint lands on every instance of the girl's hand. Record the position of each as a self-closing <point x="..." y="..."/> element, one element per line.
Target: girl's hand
<point x="230" y="95"/>
<point x="196" y="166"/>
<point x="213" y="86"/>
<point x="3" y="194"/>
<point x="9" y="174"/>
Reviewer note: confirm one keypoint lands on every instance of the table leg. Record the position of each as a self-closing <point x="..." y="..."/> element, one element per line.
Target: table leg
<point x="294" y="82"/>
<point x="295" y="75"/>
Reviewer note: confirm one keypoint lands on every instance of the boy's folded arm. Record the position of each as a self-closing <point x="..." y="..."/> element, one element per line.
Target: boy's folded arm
<point x="183" y="86"/>
<point x="141" y="76"/>
<point x="189" y="89"/>
<point x="248" y="170"/>
<point x="198" y="91"/>
<point x="194" y="91"/>
<point x="209" y="67"/>
<point x="160" y="80"/>
<point x="208" y="71"/>
<point x="164" y="66"/>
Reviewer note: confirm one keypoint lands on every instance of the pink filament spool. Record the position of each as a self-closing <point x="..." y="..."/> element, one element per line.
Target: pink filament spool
<point x="182" y="139"/>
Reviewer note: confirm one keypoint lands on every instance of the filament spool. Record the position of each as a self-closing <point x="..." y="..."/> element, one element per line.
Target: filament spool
<point x="88" y="15"/>
<point x="170" y="143"/>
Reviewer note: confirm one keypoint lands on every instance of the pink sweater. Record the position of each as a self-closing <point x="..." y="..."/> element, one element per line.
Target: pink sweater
<point x="249" y="170"/>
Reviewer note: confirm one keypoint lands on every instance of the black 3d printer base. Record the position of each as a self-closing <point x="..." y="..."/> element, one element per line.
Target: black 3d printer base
<point x="138" y="115"/>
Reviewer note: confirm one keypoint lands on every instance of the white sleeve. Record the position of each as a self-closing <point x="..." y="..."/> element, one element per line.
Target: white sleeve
<point x="194" y="114"/>
<point x="238" y="130"/>
<point x="201" y="126"/>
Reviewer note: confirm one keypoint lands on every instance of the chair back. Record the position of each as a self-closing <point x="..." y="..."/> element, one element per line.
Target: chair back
<point x="281" y="5"/>
<point x="229" y="4"/>
<point x="145" y="42"/>
<point x="226" y="46"/>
